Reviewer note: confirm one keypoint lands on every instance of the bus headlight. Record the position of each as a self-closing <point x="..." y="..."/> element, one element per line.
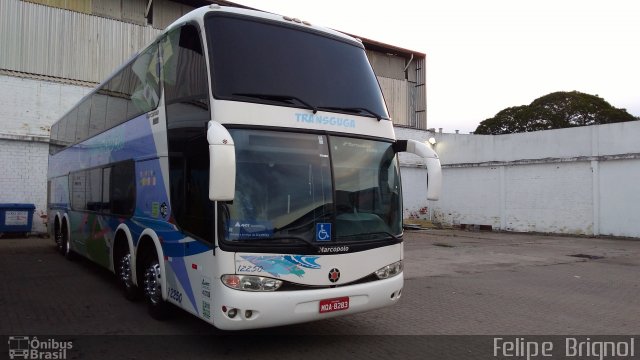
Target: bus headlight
<point x="390" y="270"/>
<point x="251" y="283"/>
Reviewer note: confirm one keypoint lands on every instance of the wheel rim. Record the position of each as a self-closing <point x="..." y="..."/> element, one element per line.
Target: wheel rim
<point x="67" y="245"/>
<point x="152" y="283"/>
<point x="125" y="271"/>
<point x="59" y="238"/>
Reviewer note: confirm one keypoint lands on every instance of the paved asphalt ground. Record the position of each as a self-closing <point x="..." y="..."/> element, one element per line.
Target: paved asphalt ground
<point x="457" y="283"/>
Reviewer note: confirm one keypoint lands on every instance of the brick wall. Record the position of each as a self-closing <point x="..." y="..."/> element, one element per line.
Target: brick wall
<point x="23" y="176"/>
<point x="29" y="107"/>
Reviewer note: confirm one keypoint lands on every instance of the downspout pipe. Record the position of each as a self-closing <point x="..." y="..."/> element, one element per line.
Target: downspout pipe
<point x="408" y="63"/>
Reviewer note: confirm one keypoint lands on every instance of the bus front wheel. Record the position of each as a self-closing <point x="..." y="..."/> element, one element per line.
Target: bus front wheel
<point x="158" y="308"/>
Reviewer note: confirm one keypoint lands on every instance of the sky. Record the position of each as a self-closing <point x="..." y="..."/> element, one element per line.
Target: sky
<point x="486" y="55"/>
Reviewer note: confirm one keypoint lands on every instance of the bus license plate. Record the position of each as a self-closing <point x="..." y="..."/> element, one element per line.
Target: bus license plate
<point x="337" y="304"/>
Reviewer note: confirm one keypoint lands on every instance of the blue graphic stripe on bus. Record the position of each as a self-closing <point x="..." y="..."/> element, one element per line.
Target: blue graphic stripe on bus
<point x="175" y="249"/>
<point x="283" y="265"/>
<point x="169" y="230"/>
<point x="325" y="120"/>
<point x="180" y="269"/>
<point x="152" y="200"/>
<point x="304" y="261"/>
<point x="130" y="140"/>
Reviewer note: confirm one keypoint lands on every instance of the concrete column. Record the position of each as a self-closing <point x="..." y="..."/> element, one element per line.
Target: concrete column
<point x="595" y="170"/>
<point x="595" y="174"/>
<point x="503" y="198"/>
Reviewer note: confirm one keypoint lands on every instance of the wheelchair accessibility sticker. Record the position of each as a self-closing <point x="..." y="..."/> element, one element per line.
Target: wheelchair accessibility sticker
<point x="323" y="232"/>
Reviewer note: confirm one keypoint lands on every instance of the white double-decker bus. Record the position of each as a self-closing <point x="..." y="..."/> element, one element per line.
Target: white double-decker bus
<point x="242" y="167"/>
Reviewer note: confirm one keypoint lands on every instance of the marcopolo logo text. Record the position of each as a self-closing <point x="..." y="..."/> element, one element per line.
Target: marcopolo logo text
<point x="325" y="120"/>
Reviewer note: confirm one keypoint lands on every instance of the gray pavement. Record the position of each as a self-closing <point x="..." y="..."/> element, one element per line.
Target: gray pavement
<point x="457" y="283"/>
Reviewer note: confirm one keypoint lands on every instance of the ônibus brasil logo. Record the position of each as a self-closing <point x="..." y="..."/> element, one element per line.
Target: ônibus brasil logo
<point x="25" y="347"/>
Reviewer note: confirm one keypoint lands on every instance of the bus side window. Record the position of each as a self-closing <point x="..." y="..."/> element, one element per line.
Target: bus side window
<point x="53" y="139"/>
<point x="93" y="195"/>
<point x="78" y="190"/>
<point x="62" y="131"/>
<point x="98" y="112"/>
<point x="186" y="92"/>
<point x="70" y="133"/>
<point x="106" y="190"/>
<point x="84" y="112"/>
<point x="143" y="88"/>
<point x="122" y="194"/>
<point x="117" y="101"/>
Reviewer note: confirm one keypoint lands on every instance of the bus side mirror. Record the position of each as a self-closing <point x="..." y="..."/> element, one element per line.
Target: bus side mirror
<point x="222" y="163"/>
<point x="434" y="170"/>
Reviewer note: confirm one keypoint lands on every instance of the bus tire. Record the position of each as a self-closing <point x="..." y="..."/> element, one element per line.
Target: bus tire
<point x="159" y="309"/>
<point x="57" y="236"/>
<point x="66" y="248"/>
<point x="124" y="274"/>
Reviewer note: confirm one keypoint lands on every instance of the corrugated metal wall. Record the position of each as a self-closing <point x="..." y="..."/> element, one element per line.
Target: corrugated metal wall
<point x="388" y="66"/>
<point x="83" y="6"/>
<point x="396" y="95"/>
<point x="404" y="92"/>
<point x="74" y="44"/>
<point x="127" y="10"/>
<point x="134" y="11"/>
<point x="165" y="12"/>
<point x="421" y="94"/>
<point x="55" y="42"/>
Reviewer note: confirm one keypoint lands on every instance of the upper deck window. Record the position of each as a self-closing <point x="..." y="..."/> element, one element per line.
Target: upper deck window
<point x="261" y="61"/>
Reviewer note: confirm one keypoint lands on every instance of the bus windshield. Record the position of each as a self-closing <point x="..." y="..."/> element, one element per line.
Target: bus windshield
<point x="271" y="63"/>
<point x="313" y="188"/>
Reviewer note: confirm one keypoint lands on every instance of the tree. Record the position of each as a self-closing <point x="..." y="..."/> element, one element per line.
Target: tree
<point x="554" y="111"/>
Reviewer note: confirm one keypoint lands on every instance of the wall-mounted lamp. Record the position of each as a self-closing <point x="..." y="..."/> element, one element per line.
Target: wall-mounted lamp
<point x="432" y="140"/>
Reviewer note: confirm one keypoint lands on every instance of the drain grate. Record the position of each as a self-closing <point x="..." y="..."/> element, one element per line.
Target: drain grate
<point x="444" y="245"/>
<point x="586" y="256"/>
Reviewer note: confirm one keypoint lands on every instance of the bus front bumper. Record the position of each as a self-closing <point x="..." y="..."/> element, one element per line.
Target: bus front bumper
<point x="267" y="309"/>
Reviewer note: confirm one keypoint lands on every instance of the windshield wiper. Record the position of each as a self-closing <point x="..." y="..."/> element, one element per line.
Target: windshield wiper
<point x="281" y="98"/>
<point x="274" y="239"/>
<point x="292" y="226"/>
<point x="352" y="109"/>
<point x="394" y="237"/>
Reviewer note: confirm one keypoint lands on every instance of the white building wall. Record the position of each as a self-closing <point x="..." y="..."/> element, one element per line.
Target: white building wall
<point x="468" y="187"/>
<point x="24" y="176"/>
<point x="414" y="182"/>
<point x="28" y="109"/>
<point x="552" y="198"/>
<point x="29" y="106"/>
<point x="619" y="197"/>
<point x="572" y="181"/>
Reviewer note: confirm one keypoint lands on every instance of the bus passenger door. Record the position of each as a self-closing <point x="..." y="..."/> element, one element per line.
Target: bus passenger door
<point x="186" y="92"/>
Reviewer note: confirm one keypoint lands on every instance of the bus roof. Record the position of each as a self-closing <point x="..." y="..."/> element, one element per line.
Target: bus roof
<point x="199" y="13"/>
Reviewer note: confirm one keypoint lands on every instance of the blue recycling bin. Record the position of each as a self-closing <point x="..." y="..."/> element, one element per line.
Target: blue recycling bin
<point x="16" y="218"/>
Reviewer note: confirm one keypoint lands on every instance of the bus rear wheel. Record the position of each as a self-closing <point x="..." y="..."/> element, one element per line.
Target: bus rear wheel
<point x="125" y="276"/>
<point x="57" y="233"/>
<point x="158" y="308"/>
<point x="66" y="245"/>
